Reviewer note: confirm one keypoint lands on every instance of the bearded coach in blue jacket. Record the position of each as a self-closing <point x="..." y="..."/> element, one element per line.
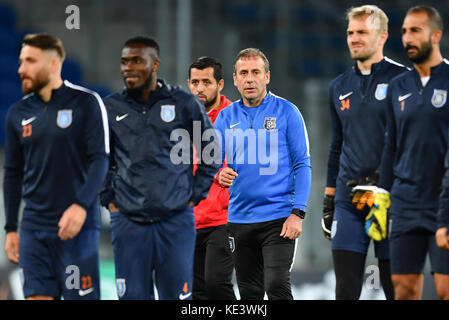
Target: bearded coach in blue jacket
<point x="149" y="192"/>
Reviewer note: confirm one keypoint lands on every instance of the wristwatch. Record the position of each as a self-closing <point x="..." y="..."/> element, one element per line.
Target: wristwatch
<point x="298" y="212"/>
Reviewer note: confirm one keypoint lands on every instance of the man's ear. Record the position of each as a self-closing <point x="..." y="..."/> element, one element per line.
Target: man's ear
<point x="55" y="64"/>
<point x="383" y="37"/>
<point x="220" y="85"/>
<point x="156" y="65"/>
<point x="267" y="77"/>
<point x="436" y="36"/>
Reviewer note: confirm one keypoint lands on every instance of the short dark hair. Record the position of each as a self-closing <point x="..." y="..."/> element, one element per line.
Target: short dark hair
<point x="250" y="53"/>
<point x="45" y="41"/>
<point x="433" y="15"/>
<point x="145" y="40"/>
<point x="208" y="62"/>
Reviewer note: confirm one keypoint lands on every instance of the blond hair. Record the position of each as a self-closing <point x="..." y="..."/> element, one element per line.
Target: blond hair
<point x="379" y="18"/>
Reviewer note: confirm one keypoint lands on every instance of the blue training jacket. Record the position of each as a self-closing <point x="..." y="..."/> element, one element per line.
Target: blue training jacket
<point x="358" y="112"/>
<point x="269" y="149"/>
<point x="443" y="210"/>
<point x="413" y="159"/>
<point x="59" y="153"/>
<point x="145" y="181"/>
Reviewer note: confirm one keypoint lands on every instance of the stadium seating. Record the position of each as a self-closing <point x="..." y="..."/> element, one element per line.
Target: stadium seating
<point x="10" y="87"/>
<point x="9" y="65"/>
<point x="8" y="17"/>
<point x="72" y="71"/>
<point x="9" y="41"/>
<point x="102" y="90"/>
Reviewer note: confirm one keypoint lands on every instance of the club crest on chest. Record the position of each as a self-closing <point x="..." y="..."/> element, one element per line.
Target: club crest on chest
<point x="439" y="98"/>
<point x="64" y="118"/>
<point x="381" y="91"/>
<point x="269" y="123"/>
<point x="168" y="112"/>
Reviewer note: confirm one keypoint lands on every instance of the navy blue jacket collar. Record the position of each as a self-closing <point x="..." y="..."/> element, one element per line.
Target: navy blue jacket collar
<point x="434" y="70"/>
<point x="162" y="90"/>
<point x="56" y="94"/>
<point x="375" y="67"/>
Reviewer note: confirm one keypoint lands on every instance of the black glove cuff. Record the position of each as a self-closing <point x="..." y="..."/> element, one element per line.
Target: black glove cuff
<point x="328" y="203"/>
<point x="299" y="213"/>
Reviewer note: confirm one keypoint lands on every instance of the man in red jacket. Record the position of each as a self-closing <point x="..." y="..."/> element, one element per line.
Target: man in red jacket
<point x="213" y="263"/>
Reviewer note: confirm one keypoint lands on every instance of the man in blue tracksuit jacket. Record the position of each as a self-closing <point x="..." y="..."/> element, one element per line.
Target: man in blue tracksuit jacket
<point x="265" y="142"/>
<point x="56" y="159"/>
<point x="151" y="189"/>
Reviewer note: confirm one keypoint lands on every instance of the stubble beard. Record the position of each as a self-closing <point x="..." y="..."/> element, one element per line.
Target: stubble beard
<point x="41" y="80"/>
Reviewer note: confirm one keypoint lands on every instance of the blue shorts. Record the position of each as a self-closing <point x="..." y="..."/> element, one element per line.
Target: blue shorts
<point x="52" y="267"/>
<point x="165" y="248"/>
<point x="409" y="250"/>
<point x="348" y="231"/>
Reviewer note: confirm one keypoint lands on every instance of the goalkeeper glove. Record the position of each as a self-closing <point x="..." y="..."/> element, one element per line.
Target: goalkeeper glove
<point x="328" y="215"/>
<point x="376" y="220"/>
<point x="361" y="197"/>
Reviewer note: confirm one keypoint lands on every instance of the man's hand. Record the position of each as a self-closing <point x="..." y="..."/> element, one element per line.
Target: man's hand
<point x="226" y="177"/>
<point x="292" y="227"/>
<point x="12" y="246"/>
<point x="112" y="207"/>
<point x="71" y="222"/>
<point x="442" y="238"/>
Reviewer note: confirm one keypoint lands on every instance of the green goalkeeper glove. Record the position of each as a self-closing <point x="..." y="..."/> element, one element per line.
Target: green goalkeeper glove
<point x="376" y="220"/>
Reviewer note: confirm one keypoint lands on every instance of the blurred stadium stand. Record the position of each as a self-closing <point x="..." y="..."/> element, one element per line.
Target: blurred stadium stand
<point x="11" y="36"/>
<point x="305" y="42"/>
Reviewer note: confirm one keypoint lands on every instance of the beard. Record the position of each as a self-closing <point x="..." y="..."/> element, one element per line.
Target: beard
<point x="422" y="54"/>
<point x="41" y="79"/>
<point x="363" y="56"/>
<point x="210" y="103"/>
<point x="137" y="92"/>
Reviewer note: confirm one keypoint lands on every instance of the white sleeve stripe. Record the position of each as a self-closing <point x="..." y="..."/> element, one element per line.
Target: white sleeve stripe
<point x="104" y="115"/>
<point x="306" y="136"/>
<point x="298" y="113"/>
<point x="393" y="62"/>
